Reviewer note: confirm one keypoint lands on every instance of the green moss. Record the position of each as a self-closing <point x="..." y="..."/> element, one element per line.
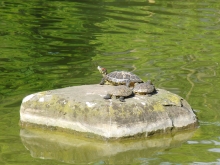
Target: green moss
<point x="158" y="107"/>
<point x="138" y="111"/>
<point x="175" y="99"/>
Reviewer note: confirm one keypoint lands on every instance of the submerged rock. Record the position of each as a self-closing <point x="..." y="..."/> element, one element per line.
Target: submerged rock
<point x="83" y="109"/>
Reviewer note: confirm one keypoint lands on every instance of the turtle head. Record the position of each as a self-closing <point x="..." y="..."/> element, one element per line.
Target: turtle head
<point x="135" y="84"/>
<point x="149" y="82"/>
<point x="102" y="70"/>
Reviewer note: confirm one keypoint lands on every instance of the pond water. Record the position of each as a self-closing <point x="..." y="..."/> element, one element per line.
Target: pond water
<point x="54" y="44"/>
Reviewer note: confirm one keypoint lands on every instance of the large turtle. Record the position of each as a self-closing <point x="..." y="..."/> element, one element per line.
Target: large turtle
<point x="118" y="77"/>
<point x="144" y="88"/>
<point x="120" y="92"/>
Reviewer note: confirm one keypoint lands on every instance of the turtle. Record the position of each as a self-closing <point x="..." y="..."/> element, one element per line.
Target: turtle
<point x="118" y="77"/>
<point x="120" y="92"/>
<point x="144" y="88"/>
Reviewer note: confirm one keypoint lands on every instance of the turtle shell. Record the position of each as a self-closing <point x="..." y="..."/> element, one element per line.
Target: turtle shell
<point x="120" y="90"/>
<point x="144" y="88"/>
<point x="121" y="77"/>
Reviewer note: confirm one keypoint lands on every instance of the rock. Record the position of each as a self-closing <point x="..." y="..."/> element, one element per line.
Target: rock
<point x="82" y="109"/>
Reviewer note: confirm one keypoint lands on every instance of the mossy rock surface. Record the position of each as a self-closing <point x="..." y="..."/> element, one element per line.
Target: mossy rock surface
<point x="83" y="109"/>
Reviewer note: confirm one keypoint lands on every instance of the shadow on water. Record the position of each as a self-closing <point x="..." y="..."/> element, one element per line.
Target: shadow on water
<point x="70" y="149"/>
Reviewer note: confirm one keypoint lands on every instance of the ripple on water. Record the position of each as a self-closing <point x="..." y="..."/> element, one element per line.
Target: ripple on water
<point x="53" y="44"/>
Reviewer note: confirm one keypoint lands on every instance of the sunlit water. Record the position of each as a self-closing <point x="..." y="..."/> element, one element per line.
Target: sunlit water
<point x="53" y="44"/>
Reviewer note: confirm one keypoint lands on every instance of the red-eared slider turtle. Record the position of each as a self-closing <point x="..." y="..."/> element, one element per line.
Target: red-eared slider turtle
<point x="118" y="77"/>
<point x="120" y="92"/>
<point x="144" y="88"/>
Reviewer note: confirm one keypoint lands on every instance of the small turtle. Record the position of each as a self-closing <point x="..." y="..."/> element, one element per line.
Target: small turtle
<point x="144" y="88"/>
<point x="118" y="77"/>
<point x="120" y="92"/>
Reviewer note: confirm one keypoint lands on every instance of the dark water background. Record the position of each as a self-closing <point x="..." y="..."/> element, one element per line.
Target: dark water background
<point x="53" y="44"/>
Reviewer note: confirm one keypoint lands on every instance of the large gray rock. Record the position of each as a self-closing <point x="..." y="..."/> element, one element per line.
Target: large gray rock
<point x="83" y="109"/>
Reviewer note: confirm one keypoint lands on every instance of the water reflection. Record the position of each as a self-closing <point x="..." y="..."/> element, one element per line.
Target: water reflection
<point x="70" y="149"/>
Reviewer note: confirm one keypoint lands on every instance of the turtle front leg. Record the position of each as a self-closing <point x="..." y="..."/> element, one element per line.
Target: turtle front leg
<point x="108" y="96"/>
<point x="102" y="81"/>
<point x="128" y="83"/>
<point x="122" y="99"/>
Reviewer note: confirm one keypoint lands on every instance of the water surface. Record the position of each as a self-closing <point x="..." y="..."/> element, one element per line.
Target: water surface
<point x="53" y="44"/>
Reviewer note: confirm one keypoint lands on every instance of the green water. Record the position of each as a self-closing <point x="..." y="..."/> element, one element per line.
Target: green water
<point x="53" y="44"/>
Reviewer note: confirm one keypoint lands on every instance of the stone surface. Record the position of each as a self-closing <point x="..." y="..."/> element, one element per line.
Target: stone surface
<point x="83" y="109"/>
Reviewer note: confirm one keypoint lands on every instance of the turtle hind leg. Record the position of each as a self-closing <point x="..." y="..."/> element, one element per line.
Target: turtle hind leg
<point x="122" y="99"/>
<point x="108" y="96"/>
